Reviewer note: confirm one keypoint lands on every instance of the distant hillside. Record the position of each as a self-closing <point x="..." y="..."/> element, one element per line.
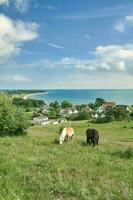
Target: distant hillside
<point x="12" y="92"/>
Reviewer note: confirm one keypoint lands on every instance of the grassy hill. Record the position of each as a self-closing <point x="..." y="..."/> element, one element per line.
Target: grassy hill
<point x="37" y="167"/>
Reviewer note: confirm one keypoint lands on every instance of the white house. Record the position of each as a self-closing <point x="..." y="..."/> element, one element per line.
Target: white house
<point x="54" y="122"/>
<point x="87" y="109"/>
<point x="105" y="106"/>
<point x="40" y="121"/>
<point x="62" y="120"/>
<point x="68" y="111"/>
<point x="126" y="107"/>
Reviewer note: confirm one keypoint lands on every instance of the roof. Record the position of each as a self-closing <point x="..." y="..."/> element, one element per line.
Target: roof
<point x="125" y="106"/>
<point x="109" y="104"/>
<point x="87" y="109"/>
<point x="40" y="118"/>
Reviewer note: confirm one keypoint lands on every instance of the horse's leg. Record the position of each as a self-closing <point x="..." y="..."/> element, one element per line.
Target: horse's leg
<point x="94" y="143"/>
<point x="68" y="139"/>
<point x="71" y="138"/>
<point x="89" y="141"/>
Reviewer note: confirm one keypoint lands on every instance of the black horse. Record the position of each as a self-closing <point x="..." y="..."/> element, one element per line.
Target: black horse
<point x="92" y="136"/>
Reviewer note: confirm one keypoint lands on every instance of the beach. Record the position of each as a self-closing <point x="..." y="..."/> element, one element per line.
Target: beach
<point x="33" y="94"/>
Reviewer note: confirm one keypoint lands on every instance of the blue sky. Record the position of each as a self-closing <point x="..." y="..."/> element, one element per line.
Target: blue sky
<point x="46" y="44"/>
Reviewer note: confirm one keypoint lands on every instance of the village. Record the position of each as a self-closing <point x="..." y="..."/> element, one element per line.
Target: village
<point x="90" y="112"/>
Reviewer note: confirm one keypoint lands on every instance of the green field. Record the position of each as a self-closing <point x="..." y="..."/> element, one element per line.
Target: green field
<point x="36" y="167"/>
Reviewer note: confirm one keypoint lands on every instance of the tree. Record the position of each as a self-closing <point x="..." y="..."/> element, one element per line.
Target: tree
<point x="120" y="114"/>
<point x="80" y="116"/>
<point x="99" y="102"/>
<point x="54" y="111"/>
<point x="28" y="103"/>
<point x="66" y="104"/>
<point x="92" y="106"/>
<point x="55" y="105"/>
<point x="12" y="119"/>
<point x="114" y="114"/>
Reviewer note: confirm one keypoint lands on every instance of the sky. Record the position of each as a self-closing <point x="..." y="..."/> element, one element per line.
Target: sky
<point x="66" y="44"/>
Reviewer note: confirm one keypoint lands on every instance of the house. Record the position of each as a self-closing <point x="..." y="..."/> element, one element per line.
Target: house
<point x="45" y="110"/>
<point x="100" y="109"/>
<point x="68" y="111"/>
<point x="77" y="107"/>
<point x="105" y="106"/>
<point x="65" y="112"/>
<point x="62" y="120"/>
<point x="40" y="121"/>
<point x="86" y="109"/>
<point x="95" y="116"/>
<point x="54" y="122"/>
<point x="74" y="110"/>
<point x="125" y="107"/>
<point x="108" y="105"/>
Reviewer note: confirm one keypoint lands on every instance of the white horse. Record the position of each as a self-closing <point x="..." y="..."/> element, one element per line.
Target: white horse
<point x="69" y="132"/>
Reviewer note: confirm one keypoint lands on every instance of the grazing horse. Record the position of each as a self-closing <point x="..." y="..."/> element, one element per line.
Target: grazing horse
<point x="92" y="136"/>
<point x="69" y="132"/>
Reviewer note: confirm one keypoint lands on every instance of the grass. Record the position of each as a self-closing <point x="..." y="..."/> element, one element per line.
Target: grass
<point x="36" y="167"/>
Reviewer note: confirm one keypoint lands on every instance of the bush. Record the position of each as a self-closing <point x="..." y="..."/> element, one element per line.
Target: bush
<point x="99" y="102"/>
<point x="66" y="104"/>
<point x="128" y="153"/>
<point x="106" y="119"/>
<point x="113" y="114"/>
<point x="28" y="103"/>
<point x="80" y="116"/>
<point x="12" y="119"/>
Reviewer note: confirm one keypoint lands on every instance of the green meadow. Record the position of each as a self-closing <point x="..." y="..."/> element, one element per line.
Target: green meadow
<point x="36" y="167"/>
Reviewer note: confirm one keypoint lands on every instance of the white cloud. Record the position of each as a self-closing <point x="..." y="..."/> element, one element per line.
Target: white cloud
<point x="21" y="5"/>
<point x="106" y="59"/>
<point x="119" y="26"/>
<point x="88" y="37"/>
<point x="124" y="23"/>
<point x="121" y="66"/>
<point x="14" y="78"/>
<point x="94" y="80"/>
<point x="129" y="18"/>
<point x="2" y="2"/>
<point x="13" y="34"/>
<point x="111" y="67"/>
<point x="51" y="44"/>
<point x="105" y="66"/>
<point x="113" y="58"/>
<point x="55" y="46"/>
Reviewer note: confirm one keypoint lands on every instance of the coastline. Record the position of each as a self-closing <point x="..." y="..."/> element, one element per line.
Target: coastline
<point x="76" y="97"/>
<point x="33" y="94"/>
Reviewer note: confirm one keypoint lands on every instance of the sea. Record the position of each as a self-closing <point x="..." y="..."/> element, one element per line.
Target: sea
<point x="85" y="96"/>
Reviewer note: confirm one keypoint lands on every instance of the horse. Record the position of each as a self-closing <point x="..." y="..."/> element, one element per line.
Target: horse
<point x="69" y="132"/>
<point x="92" y="136"/>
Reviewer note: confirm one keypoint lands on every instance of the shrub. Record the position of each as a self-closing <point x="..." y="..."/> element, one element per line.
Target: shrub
<point x="12" y="119"/>
<point x="28" y="103"/>
<point x="66" y="104"/>
<point x="80" y="116"/>
<point x="128" y="153"/>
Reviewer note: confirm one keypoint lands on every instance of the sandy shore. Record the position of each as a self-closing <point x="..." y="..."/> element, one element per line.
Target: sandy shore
<point x="33" y="94"/>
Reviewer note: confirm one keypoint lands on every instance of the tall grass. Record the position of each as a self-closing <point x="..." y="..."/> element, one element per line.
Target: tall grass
<point x="37" y="167"/>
